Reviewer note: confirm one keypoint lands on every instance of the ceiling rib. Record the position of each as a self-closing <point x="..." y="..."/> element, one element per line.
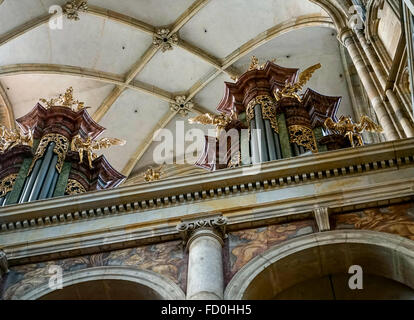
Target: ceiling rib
<point x="264" y="37"/>
<point x="4" y="100"/>
<point x="147" y="142"/>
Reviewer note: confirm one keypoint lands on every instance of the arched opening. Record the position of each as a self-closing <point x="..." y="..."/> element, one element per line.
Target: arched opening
<point x="316" y="267"/>
<point x="104" y="290"/>
<point x="109" y="283"/>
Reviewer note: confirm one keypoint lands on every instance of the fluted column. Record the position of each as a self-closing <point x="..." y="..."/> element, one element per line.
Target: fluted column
<point x="372" y="92"/>
<point x="402" y="118"/>
<point x="204" y="241"/>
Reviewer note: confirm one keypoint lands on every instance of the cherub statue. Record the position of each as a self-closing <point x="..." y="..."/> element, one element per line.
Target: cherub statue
<point x="9" y="138"/>
<point x="346" y="127"/>
<point x="291" y="90"/>
<point x="218" y="120"/>
<point x="152" y="174"/>
<point x="89" y="146"/>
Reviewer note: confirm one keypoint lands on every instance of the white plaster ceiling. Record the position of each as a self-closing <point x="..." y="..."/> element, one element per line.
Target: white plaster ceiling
<point x="113" y="43"/>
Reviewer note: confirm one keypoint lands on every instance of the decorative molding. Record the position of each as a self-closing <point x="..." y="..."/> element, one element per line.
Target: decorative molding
<point x="72" y="8"/>
<point x="322" y="218"/>
<point x="164" y="40"/>
<point x="181" y="105"/>
<point x="214" y="227"/>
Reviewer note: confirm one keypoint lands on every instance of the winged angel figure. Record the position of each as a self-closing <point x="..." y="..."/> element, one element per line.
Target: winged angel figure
<point x="346" y="127"/>
<point x="10" y="138"/>
<point x="220" y="120"/>
<point x="89" y="146"/>
<point x="291" y="90"/>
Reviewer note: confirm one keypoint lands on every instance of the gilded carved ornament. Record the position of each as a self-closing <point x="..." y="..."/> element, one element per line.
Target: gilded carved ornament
<point x="268" y="110"/>
<point x="347" y="128"/>
<point x="89" y="146"/>
<point x="65" y="100"/>
<point x="74" y="187"/>
<point x="220" y="121"/>
<point x="152" y="174"/>
<point x="291" y="90"/>
<point x="6" y="185"/>
<point x="9" y="138"/>
<point x="61" y="148"/>
<point x="254" y="64"/>
<point x="303" y="136"/>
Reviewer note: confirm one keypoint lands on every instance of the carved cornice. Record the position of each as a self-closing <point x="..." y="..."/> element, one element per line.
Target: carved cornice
<point x="213" y="227"/>
<point x="60" y="120"/>
<point x="389" y="157"/>
<point x="255" y="83"/>
<point x="320" y="107"/>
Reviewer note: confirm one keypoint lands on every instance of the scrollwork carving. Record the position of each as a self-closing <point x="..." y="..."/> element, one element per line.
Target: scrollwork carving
<point x="61" y="148"/>
<point x="303" y="136"/>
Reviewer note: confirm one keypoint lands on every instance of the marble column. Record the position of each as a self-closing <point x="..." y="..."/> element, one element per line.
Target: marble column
<point x="204" y="242"/>
<point x="372" y="92"/>
<point x="402" y="118"/>
<point x="372" y="57"/>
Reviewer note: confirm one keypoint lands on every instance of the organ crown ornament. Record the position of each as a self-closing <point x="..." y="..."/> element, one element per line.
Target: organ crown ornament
<point x="291" y="90"/>
<point x="89" y="146"/>
<point x="347" y="128"/>
<point x="9" y="138"/>
<point x="65" y="100"/>
<point x="254" y="64"/>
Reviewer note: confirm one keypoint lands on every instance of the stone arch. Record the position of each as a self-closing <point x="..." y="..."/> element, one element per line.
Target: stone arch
<point x="164" y="287"/>
<point x="385" y="255"/>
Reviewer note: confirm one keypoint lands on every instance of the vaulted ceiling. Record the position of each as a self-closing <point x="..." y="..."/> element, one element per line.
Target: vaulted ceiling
<point x="109" y="58"/>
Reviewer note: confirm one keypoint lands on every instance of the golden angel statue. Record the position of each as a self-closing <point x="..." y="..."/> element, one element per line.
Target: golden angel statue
<point x="218" y="120"/>
<point x="89" y="146"/>
<point x="291" y="90"/>
<point x="346" y="127"/>
<point x="9" y="138"/>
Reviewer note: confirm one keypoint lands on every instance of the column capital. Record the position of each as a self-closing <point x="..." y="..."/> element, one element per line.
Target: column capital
<point x="344" y="35"/>
<point x="211" y="227"/>
<point x="3" y="264"/>
<point x="322" y="218"/>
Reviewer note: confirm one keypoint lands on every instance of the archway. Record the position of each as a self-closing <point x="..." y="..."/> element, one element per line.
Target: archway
<point x="111" y="282"/>
<point x="290" y="270"/>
